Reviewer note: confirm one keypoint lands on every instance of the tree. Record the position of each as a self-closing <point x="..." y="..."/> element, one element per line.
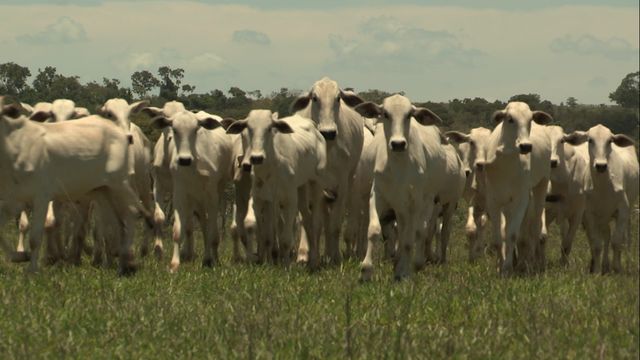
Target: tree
<point x="142" y="82"/>
<point x="533" y="100"/>
<point x="626" y="95"/>
<point x="13" y="78"/>
<point x="187" y="89"/>
<point x="572" y="102"/>
<point x="43" y="81"/>
<point x="170" y="80"/>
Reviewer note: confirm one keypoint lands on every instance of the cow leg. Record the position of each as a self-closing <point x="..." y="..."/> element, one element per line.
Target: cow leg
<point x="407" y="237"/>
<point x="514" y="217"/>
<point x="183" y="214"/>
<point x="430" y="216"/>
<point x="214" y="231"/>
<point x="81" y="214"/>
<point x="429" y="226"/>
<point x="593" y="230"/>
<point x="537" y="225"/>
<point x="21" y="255"/>
<point x="572" y="223"/>
<point x="288" y="211"/>
<point x="332" y="227"/>
<point x="5" y="214"/>
<point x="619" y="234"/>
<point x="376" y="206"/>
<point x="471" y="230"/>
<point x="361" y="236"/>
<point x="445" y="231"/>
<point x="38" y="217"/>
<point x="265" y="217"/>
<point x="497" y="236"/>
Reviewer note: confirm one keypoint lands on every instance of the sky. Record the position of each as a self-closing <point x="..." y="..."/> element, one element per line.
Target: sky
<point x="433" y="50"/>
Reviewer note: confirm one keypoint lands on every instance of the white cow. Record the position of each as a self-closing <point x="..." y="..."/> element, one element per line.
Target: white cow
<point x="288" y="157"/>
<point x="566" y="197"/>
<point x="517" y="171"/>
<point x="471" y="148"/>
<point x="408" y="175"/>
<point x="58" y="110"/>
<point x="611" y="193"/>
<point x="201" y="164"/>
<point x="119" y="111"/>
<point x="65" y="161"/>
<point x="331" y="109"/>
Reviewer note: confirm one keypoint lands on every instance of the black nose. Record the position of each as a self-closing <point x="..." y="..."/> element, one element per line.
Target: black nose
<point x="329" y="134"/>
<point x="601" y="167"/>
<point x="256" y="159"/>
<point x="184" y="161"/>
<point x="525" y="148"/>
<point x="554" y="163"/>
<point x="130" y="138"/>
<point x="246" y="167"/>
<point x="398" y="145"/>
<point x="467" y="172"/>
<point x="479" y="166"/>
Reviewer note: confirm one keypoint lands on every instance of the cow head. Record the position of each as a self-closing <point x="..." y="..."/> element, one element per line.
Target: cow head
<point x="471" y="147"/>
<point x="261" y="126"/>
<point x="395" y="114"/>
<point x="600" y="139"/>
<point x="516" y="125"/>
<point x="119" y="110"/>
<point x="322" y="105"/>
<point x="185" y="126"/>
<point x="169" y="109"/>
<point x="57" y="111"/>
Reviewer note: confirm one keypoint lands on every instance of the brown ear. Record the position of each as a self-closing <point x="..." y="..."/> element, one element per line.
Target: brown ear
<point x="11" y="110"/>
<point x="457" y="137"/>
<point x="160" y="122"/>
<point x="28" y="108"/>
<point x="541" y="117"/>
<point x="575" y="138"/>
<point x="80" y="112"/>
<point x="282" y="126"/>
<point x="301" y="102"/>
<point x="138" y="106"/>
<point x="209" y="123"/>
<point x="499" y="116"/>
<point x="623" y="140"/>
<point x="237" y="127"/>
<point x="151" y="111"/>
<point x="425" y="116"/>
<point x="41" y="116"/>
<point x="350" y="98"/>
<point x="368" y="110"/>
<point x="226" y="122"/>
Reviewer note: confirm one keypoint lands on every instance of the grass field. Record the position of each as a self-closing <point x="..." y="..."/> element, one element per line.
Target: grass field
<point x="247" y="311"/>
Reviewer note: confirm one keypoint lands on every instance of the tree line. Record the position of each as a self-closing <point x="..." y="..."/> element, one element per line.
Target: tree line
<point x="168" y="84"/>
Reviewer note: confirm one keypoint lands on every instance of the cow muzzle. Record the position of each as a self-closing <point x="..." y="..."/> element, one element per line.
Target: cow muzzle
<point x="185" y="161"/>
<point x="256" y="159"/>
<point x="525" y="148"/>
<point x="246" y="167"/>
<point x="601" y="167"/>
<point x="130" y="139"/>
<point x="554" y="163"/>
<point x="329" y="134"/>
<point x="398" y="145"/>
<point x="467" y="172"/>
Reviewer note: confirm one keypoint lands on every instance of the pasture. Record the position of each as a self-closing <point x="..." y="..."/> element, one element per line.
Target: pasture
<point x="460" y="310"/>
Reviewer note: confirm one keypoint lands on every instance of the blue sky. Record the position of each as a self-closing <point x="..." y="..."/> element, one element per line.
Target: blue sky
<point x="433" y="50"/>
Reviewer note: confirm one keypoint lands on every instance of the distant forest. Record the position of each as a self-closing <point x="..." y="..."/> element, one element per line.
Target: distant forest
<point x="167" y="84"/>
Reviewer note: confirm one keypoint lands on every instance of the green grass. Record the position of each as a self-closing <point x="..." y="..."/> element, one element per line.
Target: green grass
<point x="247" y="311"/>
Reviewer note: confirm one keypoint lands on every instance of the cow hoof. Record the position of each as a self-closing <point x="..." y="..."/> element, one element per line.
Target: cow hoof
<point x="127" y="270"/>
<point x="186" y="256"/>
<point x="207" y="263"/>
<point x="20" y="256"/>
<point x="158" y="252"/>
<point x="144" y="251"/>
<point x="50" y="260"/>
<point x="366" y="273"/>
<point x="400" y="277"/>
<point x="173" y="267"/>
<point x="303" y="257"/>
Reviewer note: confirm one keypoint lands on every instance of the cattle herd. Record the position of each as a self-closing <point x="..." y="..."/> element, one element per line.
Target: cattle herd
<point x="385" y="168"/>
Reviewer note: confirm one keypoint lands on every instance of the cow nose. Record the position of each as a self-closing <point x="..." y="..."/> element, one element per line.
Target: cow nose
<point x="601" y="167"/>
<point x="246" y="167"/>
<point x="554" y="163"/>
<point x="398" y="145"/>
<point x="329" y="134"/>
<point x="479" y="166"/>
<point x="256" y="159"/>
<point x="525" y="148"/>
<point x="130" y="138"/>
<point x="467" y="172"/>
<point x="184" y="161"/>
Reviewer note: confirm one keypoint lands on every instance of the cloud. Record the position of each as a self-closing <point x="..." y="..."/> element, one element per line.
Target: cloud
<point x="64" y="31"/>
<point x="598" y="82"/>
<point x="201" y="63"/>
<point x="384" y="42"/>
<point x="250" y="37"/>
<point x="613" y="48"/>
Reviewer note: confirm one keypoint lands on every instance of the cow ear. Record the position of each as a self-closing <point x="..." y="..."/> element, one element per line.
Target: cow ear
<point x="541" y="117"/>
<point x="209" y="123"/>
<point x="151" y="111"/>
<point x="226" y="122"/>
<point x="576" y="138"/>
<point x="11" y="110"/>
<point x="160" y="122"/>
<point x="350" y="98"/>
<point x="40" y="116"/>
<point x="301" y="102"/>
<point x="623" y="140"/>
<point x="275" y="116"/>
<point x="136" y="107"/>
<point x="369" y="110"/>
<point x="80" y="112"/>
<point x="282" y="126"/>
<point x="27" y="108"/>
<point x="425" y="116"/>
<point x="499" y="116"/>
<point x="457" y="137"/>
<point x="237" y="127"/>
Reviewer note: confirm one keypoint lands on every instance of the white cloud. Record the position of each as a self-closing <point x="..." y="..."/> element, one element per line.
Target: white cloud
<point x="200" y="63"/>
<point x="64" y="31"/>
<point x="251" y="37"/>
<point x="613" y="48"/>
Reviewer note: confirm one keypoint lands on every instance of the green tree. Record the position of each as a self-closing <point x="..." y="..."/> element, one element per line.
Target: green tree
<point x="13" y="78"/>
<point x="533" y="100"/>
<point x="142" y="82"/>
<point x="170" y="80"/>
<point x="626" y="95"/>
<point x="572" y="102"/>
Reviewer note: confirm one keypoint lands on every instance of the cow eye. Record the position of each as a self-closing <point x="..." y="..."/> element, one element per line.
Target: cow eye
<point x="314" y="98"/>
<point x="590" y="141"/>
<point x="472" y="143"/>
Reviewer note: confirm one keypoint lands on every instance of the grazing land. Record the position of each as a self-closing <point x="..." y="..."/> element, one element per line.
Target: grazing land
<point x="248" y="311"/>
